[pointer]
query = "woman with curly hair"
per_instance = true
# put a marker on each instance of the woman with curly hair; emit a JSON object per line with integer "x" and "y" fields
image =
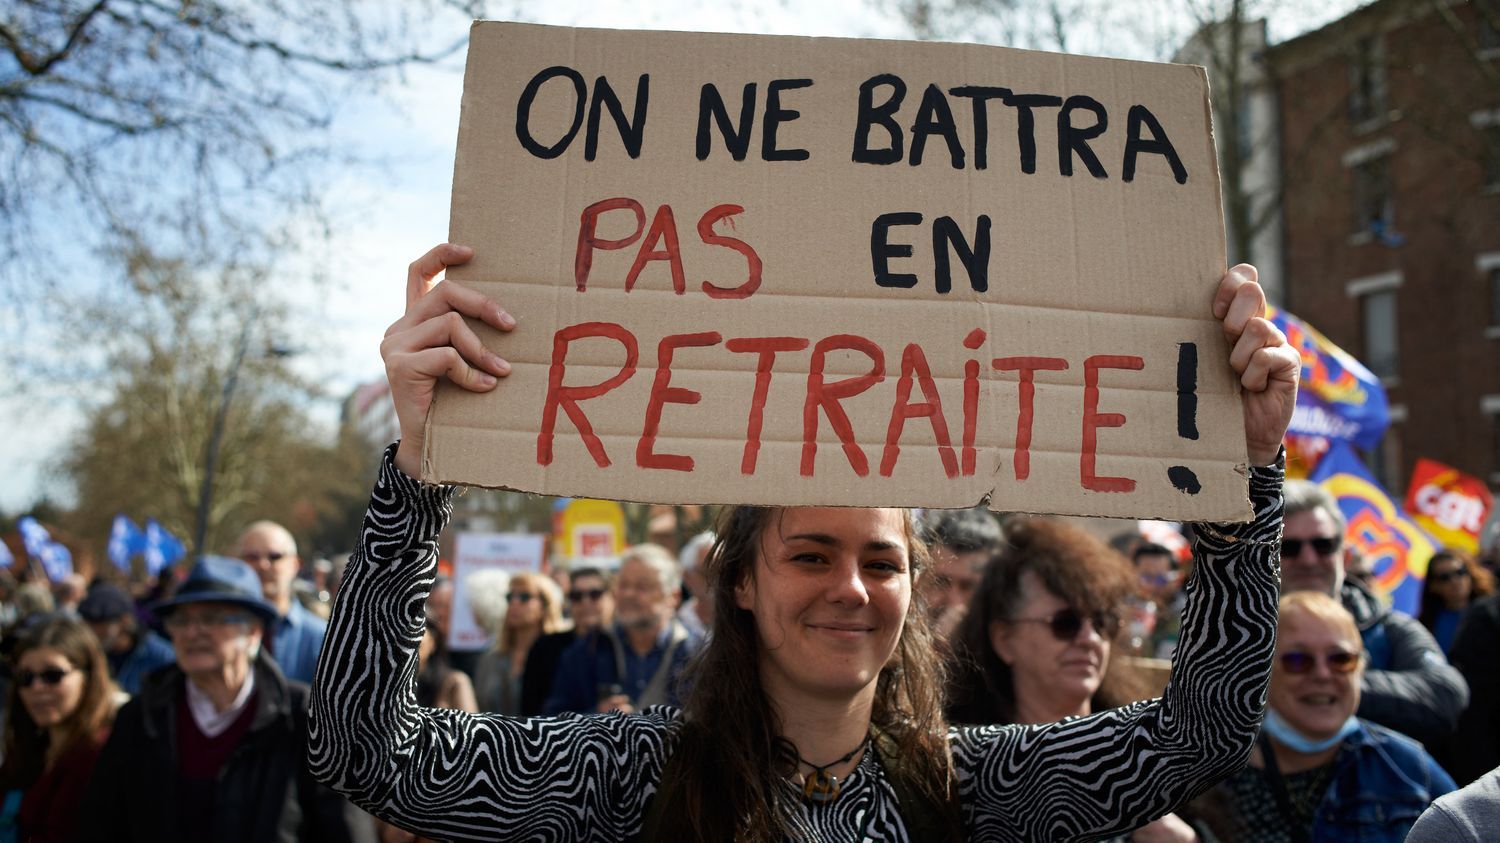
{"x": 59, "y": 711}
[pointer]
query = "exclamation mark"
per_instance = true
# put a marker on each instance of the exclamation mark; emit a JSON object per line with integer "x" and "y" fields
{"x": 1181, "y": 476}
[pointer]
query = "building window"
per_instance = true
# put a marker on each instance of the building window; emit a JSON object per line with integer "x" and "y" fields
{"x": 1490, "y": 137}
{"x": 1373, "y": 209}
{"x": 1494, "y": 296}
{"x": 1378, "y": 318}
{"x": 1385, "y": 461}
{"x": 1488, "y": 12}
{"x": 1367, "y": 94}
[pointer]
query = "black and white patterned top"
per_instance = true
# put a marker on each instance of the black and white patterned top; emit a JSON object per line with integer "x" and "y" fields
{"x": 450, "y": 774}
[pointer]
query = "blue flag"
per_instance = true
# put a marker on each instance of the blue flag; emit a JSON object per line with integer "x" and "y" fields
{"x": 57, "y": 561}
{"x": 1398, "y": 550}
{"x": 6, "y": 560}
{"x": 1338, "y": 398}
{"x": 34, "y": 536}
{"x": 125, "y": 541}
{"x": 162, "y": 550}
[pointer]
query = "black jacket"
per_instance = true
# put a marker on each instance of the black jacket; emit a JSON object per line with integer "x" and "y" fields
{"x": 264, "y": 792}
{"x": 1409, "y": 685}
{"x": 1475, "y": 747}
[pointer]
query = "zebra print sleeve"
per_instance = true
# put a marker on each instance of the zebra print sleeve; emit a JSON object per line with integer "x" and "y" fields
{"x": 1093, "y": 777}
{"x": 445, "y": 773}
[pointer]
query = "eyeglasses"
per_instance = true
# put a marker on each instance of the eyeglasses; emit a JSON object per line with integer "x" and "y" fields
{"x": 50, "y": 677}
{"x": 1067, "y": 623}
{"x": 179, "y": 621}
{"x": 1449, "y": 576}
{"x": 578, "y": 595}
{"x": 1292, "y": 548}
{"x": 522, "y": 597}
{"x": 252, "y": 558}
{"x": 1339, "y": 661}
{"x": 1158, "y": 579}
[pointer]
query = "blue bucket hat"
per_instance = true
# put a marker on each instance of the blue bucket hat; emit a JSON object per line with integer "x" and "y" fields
{"x": 219, "y": 579}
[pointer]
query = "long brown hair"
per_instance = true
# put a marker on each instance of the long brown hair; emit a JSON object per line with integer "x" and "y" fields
{"x": 1481, "y": 584}
{"x": 725, "y": 780}
{"x": 1070, "y": 563}
{"x": 26, "y": 744}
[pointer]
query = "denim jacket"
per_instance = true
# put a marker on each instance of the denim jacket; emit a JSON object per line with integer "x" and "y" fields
{"x": 1383, "y": 782}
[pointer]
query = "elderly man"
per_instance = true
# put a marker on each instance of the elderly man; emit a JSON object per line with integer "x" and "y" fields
{"x": 1409, "y": 686}
{"x": 961, "y": 542}
{"x": 296, "y": 636}
{"x": 212, "y": 748}
{"x": 132, "y": 652}
{"x": 634, "y": 662}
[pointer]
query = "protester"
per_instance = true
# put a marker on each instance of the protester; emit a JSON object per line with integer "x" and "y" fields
{"x": 697, "y": 612}
{"x": 1161, "y": 587}
{"x": 1318, "y": 771}
{"x": 438, "y": 684}
{"x": 592, "y": 607}
{"x": 633, "y": 663}
{"x": 1454, "y": 580}
{"x": 533, "y": 608}
{"x": 1035, "y": 645}
{"x": 1407, "y": 683}
{"x": 1468, "y": 815}
{"x": 60, "y": 705}
{"x": 68, "y": 592}
{"x": 960, "y": 542}
{"x": 1474, "y": 748}
{"x": 814, "y": 655}
{"x": 296, "y": 635}
{"x": 132, "y": 651}
{"x": 212, "y": 748}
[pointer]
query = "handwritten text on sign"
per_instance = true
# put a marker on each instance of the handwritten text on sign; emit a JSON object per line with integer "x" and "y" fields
{"x": 786, "y": 270}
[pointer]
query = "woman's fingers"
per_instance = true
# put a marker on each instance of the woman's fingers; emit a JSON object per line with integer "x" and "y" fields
{"x": 450, "y": 330}
{"x": 1256, "y": 334}
{"x": 1239, "y": 300}
{"x": 422, "y": 271}
{"x": 447, "y": 298}
{"x": 429, "y": 364}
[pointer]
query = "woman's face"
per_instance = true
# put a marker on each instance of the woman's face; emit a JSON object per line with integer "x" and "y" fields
{"x": 49, "y": 704}
{"x": 830, "y": 592}
{"x": 1066, "y": 670}
{"x": 1306, "y": 689}
{"x": 523, "y": 604}
{"x": 1449, "y": 578}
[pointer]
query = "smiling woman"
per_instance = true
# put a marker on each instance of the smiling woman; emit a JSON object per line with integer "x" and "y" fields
{"x": 815, "y": 709}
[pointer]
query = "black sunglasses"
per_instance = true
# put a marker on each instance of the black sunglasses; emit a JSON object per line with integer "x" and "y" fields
{"x": 1293, "y": 547}
{"x": 1067, "y": 623}
{"x": 519, "y": 597}
{"x": 50, "y": 677}
{"x": 578, "y": 594}
{"x": 1339, "y": 661}
{"x": 1449, "y": 576}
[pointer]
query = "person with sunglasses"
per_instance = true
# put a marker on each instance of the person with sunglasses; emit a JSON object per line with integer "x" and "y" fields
{"x": 59, "y": 709}
{"x": 1318, "y": 772}
{"x": 591, "y": 606}
{"x": 815, "y": 711}
{"x": 1454, "y": 580}
{"x": 533, "y": 608}
{"x": 1038, "y": 642}
{"x": 296, "y": 636}
{"x": 1407, "y": 683}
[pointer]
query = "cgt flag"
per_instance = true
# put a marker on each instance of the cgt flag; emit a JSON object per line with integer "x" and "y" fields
{"x": 1449, "y": 504}
{"x": 125, "y": 541}
{"x": 1398, "y": 550}
{"x": 1338, "y": 398}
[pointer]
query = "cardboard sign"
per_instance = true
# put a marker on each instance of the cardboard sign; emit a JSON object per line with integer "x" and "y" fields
{"x": 1449, "y": 504}
{"x": 777, "y": 270}
{"x": 474, "y": 552}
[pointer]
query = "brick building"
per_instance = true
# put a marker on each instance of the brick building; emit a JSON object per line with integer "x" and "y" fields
{"x": 1390, "y": 148}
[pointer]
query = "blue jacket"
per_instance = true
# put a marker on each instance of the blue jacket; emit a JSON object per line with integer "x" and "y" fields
{"x": 150, "y": 652}
{"x": 296, "y": 641}
{"x": 1383, "y": 781}
{"x": 588, "y": 667}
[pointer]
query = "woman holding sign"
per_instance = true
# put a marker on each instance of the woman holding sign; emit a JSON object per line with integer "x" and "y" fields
{"x": 815, "y": 711}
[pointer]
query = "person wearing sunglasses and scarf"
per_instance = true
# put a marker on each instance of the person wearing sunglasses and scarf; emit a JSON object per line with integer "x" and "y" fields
{"x": 533, "y": 608}
{"x": 58, "y": 716}
{"x": 1036, "y": 644}
{"x": 1318, "y": 772}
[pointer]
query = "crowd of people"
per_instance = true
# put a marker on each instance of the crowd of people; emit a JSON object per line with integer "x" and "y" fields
{"x": 815, "y": 674}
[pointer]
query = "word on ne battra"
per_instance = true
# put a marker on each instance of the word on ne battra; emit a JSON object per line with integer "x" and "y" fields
{"x": 790, "y": 270}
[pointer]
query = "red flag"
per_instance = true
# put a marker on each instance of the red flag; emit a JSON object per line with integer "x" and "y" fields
{"x": 1449, "y": 504}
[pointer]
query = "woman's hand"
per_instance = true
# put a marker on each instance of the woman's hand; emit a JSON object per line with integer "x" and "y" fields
{"x": 1168, "y": 829}
{"x": 432, "y": 341}
{"x": 1267, "y": 366}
